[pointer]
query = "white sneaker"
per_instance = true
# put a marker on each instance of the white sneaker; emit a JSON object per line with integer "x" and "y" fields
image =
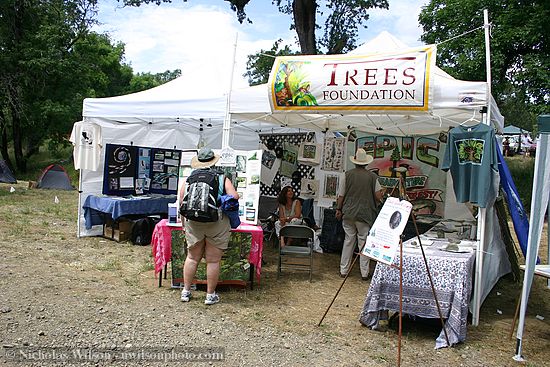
{"x": 211, "y": 299}
{"x": 185, "y": 295}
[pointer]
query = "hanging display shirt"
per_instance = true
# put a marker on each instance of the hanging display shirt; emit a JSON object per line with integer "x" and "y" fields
{"x": 86, "y": 138}
{"x": 471, "y": 157}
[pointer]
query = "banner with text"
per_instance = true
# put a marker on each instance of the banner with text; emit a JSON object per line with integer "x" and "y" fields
{"x": 422, "y": 157}
{"x": 398, "y": 81}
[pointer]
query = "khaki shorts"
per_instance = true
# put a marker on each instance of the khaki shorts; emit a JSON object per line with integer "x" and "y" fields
{"x": 215, "y": 233}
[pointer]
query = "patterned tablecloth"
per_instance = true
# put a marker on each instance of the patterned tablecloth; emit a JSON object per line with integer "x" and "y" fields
{"x": 452, "y": 277}
{"x": 161, "y": 243}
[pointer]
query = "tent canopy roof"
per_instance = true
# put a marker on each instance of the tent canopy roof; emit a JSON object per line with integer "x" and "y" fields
{"x": 513, "y": 130}
{"x": 175, "y": 100}
{"x": 250, "y": 106}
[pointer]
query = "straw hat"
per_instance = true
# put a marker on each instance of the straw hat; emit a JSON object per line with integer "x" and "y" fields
{"x": 361, "y": 158}
{"x": 204, "y": 159}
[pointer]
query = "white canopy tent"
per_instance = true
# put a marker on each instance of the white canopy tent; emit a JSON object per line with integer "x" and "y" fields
{"x": 175, "y": 115}
{"x": 250, "y": 107}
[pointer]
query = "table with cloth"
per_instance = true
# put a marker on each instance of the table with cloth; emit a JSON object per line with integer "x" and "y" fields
{"x": 452, "y": 274}
{"x": 246, "y": 241}
{"x": 99, "y": 209}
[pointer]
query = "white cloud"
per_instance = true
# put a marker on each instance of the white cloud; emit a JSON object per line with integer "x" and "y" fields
{"x": 198, "y": 39}
{"x": 401, "y": 20}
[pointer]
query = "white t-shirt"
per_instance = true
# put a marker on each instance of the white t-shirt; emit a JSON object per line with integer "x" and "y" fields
{"x": 87, "y": 141}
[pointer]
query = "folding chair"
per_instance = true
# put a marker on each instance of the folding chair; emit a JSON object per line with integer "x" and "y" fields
{"x": 295, "y": 256}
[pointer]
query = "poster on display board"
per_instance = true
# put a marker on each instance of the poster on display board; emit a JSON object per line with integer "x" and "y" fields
{"x": 384, "y": 236}
{"x": 422, "y": 156}
{"x": 245, "y": 176}
{"x": 135, "y": 170}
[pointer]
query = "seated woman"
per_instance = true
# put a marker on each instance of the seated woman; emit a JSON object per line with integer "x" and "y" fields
{"x": 290, "y": 209}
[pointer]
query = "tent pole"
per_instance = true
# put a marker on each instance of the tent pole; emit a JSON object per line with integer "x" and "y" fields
{"x": 79, "y": 209}
{"x": 482, "y": 214}
{"x": 227, "y": 120}
{"x": 539, "y": 203}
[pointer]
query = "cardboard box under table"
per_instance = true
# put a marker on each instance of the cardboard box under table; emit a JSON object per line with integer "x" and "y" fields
{"x": 241, "y": 260}
{"x": 119, "y": 230}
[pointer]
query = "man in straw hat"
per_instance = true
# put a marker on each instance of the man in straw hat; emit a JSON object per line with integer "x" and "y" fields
{"x": 358, "y": 196}
{"x": 206, "y": 238}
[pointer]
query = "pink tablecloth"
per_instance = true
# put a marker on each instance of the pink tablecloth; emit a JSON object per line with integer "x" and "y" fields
{"x": 162, "y": 244}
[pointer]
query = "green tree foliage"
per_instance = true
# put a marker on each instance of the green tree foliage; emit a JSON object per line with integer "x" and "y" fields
{"x": 339, "y": 36}
{"x": 143, "y": 81}
{"x": 259, "y": 65}
{"x": 341, "y": 27}
{"x": 49, "y": 62}
{"x": 520, "y": 50}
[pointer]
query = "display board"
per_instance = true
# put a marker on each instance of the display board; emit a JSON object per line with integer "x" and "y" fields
{"x": 384, "y": 236}
{"x": 134, "y": 170}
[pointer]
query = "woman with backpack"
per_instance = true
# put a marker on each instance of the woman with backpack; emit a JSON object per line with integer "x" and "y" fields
{"x": 207, "y": 231}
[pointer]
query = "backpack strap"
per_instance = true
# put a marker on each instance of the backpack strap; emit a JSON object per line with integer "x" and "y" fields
{"x": 221, "y": 186}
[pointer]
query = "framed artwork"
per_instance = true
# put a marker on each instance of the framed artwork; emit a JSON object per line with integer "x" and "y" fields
{"x": 333, "y": 154}
{"x": 289, "y": 162}
{"x": 331, "y": 187}
{"x": 309, "y": 188}
{"x": 309, "y": 153}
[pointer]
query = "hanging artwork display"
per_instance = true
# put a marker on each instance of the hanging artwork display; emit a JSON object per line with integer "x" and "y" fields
{"x": 309, "y": 153}
{"x": 270, "y": 167}
{"x": 330, "y": 190}
{"x": 334, "y": 154}
{"x": 289, "y": 162}
{"x": 310, "y": 189}
{"x": 134, "y": 170}
{"x": 274, "y": 144}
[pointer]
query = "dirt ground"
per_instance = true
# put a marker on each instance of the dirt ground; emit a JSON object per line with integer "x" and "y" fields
{"x": 60, "y": 291}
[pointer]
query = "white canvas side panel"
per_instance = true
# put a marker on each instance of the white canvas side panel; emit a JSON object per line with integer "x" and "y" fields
{"x": 495, "y": 260}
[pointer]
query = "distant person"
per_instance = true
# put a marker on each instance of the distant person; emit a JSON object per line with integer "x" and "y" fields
{"x": 206, "y": 238}
{"x": 506, "y": 147}
{"x": 526, "y": 144}
{"x": 359, "y": 194}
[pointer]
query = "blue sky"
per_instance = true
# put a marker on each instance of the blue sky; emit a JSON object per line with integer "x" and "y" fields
{"x": 198, "y": 36}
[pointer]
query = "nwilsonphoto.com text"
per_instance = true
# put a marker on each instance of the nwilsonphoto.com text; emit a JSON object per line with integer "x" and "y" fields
{"x": 152, "y": 354}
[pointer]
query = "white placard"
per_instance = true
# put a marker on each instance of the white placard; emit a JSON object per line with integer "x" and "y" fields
{"x": 228, "y": 157}
{"x": 126, "y": 183}
{"x": 186, "y": 157}
{"x": 383, "y": 239}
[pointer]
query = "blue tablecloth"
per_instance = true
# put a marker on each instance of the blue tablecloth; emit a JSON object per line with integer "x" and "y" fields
{"x": 96, "y": 208}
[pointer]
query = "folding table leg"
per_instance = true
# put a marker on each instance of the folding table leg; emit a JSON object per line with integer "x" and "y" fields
{"x": 251, "y": 269}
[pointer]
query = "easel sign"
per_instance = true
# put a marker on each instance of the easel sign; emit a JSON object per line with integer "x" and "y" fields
{"x": 384, "y": 236}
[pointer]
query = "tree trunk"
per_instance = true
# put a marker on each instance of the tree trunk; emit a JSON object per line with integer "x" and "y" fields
{"x": 20, "y": 160}
{"x": 4, "y": 139}
{"x": 304, "y": 12}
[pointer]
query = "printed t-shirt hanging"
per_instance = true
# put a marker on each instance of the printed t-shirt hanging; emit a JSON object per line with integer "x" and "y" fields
{"x": 471, "y": 157}
{"x": 86, "y": 138}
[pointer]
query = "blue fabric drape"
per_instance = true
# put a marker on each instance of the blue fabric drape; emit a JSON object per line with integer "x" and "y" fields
{"x": 515, "y": 206}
